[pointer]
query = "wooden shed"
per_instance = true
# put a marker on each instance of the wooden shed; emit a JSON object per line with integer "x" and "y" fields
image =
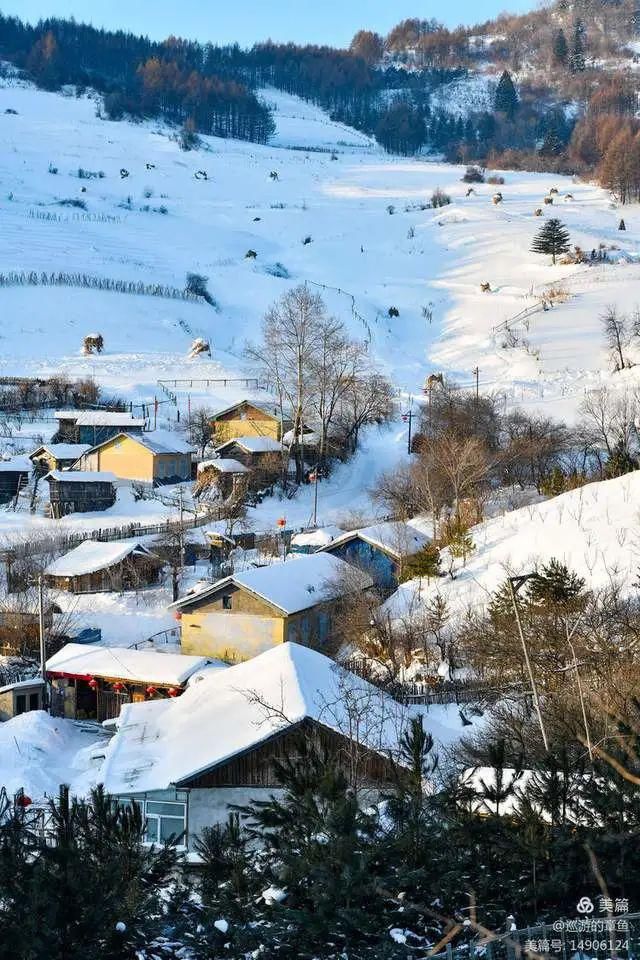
{"x": 95, "y": 567}
{"x": 14, "y": 475}
{"x": 262, "y": 456}
{"x": 80, "y": 491}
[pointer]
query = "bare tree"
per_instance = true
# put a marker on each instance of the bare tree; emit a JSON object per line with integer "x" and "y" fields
{"x": 199, "y": 428}
{"x": 616, "y": 336}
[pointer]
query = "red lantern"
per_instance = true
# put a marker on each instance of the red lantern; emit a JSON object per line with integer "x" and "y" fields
{"x": 173, "y": 691}
{"x": 22, "y": 800}
{"x": 151, "y": 690}
{"x": 177, "y": 615}
{"x": 118, "y": 687}
{"x": 282, "y": 522}
{"x": 93, "y": 683}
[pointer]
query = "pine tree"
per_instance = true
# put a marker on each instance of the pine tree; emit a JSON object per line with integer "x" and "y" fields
{"x": 576, "y": 61}
{"x": 552, "y": 238}
{"x": 506, "y": 99}
{"x": 560, "y": 48}
{"x": 321, "y": 848}
{"x": 554, "y": 584}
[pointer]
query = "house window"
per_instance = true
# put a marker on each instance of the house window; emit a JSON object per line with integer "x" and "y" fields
{"x": 226, "y": 601}
{"x": 34, "y": 701}
{"x": 164, "y": 819}
{"x": 21, "y": 703}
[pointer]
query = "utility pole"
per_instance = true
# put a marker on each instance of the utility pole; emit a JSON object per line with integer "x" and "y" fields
{"x": 314, "y": 476}
{"x": 408, "y": 417}
{"x": 43, "y": 648}
{"x": 476, "y": 373}
{"x": 181, "y": 530}
{"x": 536, "y": 699}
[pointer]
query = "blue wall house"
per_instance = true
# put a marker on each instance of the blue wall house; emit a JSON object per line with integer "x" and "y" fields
{"x": 380, "y": 549}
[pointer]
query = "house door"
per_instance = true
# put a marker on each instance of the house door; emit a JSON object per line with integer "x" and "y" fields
{"x": 109, "y": 703}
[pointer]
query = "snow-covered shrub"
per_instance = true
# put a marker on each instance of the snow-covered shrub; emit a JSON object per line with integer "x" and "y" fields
{"x": 439, "y": 198}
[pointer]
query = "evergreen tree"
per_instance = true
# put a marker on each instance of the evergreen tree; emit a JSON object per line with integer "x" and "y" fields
{"x": 552, "y": 238}
{"x": 577, "y": 61}
{"x": 555, "y": 585}
{"x": 506, "y": 99}
{"x": 620, "y": 462}
{"x": 320, "y": 847}
{"x": 560, "y": 49}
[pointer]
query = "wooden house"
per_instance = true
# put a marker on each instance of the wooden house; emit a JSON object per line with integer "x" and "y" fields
{"x": 229, "y": 476}
{"x": 158, "y": 457}
{"x": 57, "y": 456}
{"x": 80, "y": 491}
{"x": 248, "y": 419}
{"x": 94, "y": 426}
{"x": 248, "y": 612}
{"x": 95, "y": 567}
{"x": 380, "y": 549}
{"x": 262, "y": 456}
{"x": 14, "y": 475}
{"x": 185, "y": 763}
{"x": 93, "y": 682}
{"x": 20, "y": 697}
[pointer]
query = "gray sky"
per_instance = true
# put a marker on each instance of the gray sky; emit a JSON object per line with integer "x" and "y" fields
{"x": 246, "y": 21}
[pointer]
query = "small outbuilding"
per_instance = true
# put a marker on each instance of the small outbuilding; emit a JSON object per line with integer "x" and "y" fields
{"x": 229, "y": 476}
{"x": 14, "y": 475}
{"x": 93, "y": 682}
{"x": 22, "y": 696}
{"x": 262, "y": 456}
{"x": 80, "y": 491}
{"x": 158, "y": 457}
{"x": 96, "y": 567}
{"x": 57, "y": 456}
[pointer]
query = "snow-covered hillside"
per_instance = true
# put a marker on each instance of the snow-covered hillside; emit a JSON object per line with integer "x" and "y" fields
{"x": 373, "y": 245}
{"x": 594, "y": 531}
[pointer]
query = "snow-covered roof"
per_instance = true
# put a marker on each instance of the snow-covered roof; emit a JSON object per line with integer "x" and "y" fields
{"x": 227, "y": 712}
{"x": 62, "y": 451}
{"x": 254, "y": 444}
{"x": 93, "y": 555}
{"x": 100, "y": 418}
{"x": 22, "y": 684}
{"x": 138, "y": 666}
{"x": 395, "y": 537}
{"x": 321, "y": 537}
{"x": 298, "y": 584}
{"x": 21, "y": 464}
{"x": 223, "y": 465}
{"x": 82, "y": 476}
{"x": 309, "y": 437}
{"x": 158, "y": 441}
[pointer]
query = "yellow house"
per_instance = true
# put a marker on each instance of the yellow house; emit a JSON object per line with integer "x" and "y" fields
{"x": 247, "y": 613}
{"x": 248, "y": 419}
{"x": 157, "y": 457}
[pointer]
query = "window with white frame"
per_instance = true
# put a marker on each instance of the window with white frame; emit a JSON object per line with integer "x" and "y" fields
{"x": 165, "y": 819}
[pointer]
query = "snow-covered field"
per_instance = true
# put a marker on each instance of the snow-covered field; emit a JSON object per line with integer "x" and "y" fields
{"x": 368, "y": 258}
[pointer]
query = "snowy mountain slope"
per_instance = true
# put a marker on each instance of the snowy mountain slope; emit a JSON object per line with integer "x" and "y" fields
{"x": 372, "y": 246}
{"x": 594, "y": 530}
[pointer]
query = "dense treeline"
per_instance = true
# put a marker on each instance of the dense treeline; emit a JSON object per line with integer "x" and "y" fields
{"x": 174, "y": 79}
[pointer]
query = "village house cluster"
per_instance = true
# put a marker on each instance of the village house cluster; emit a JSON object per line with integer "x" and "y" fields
{"x": 198, "y": 720}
